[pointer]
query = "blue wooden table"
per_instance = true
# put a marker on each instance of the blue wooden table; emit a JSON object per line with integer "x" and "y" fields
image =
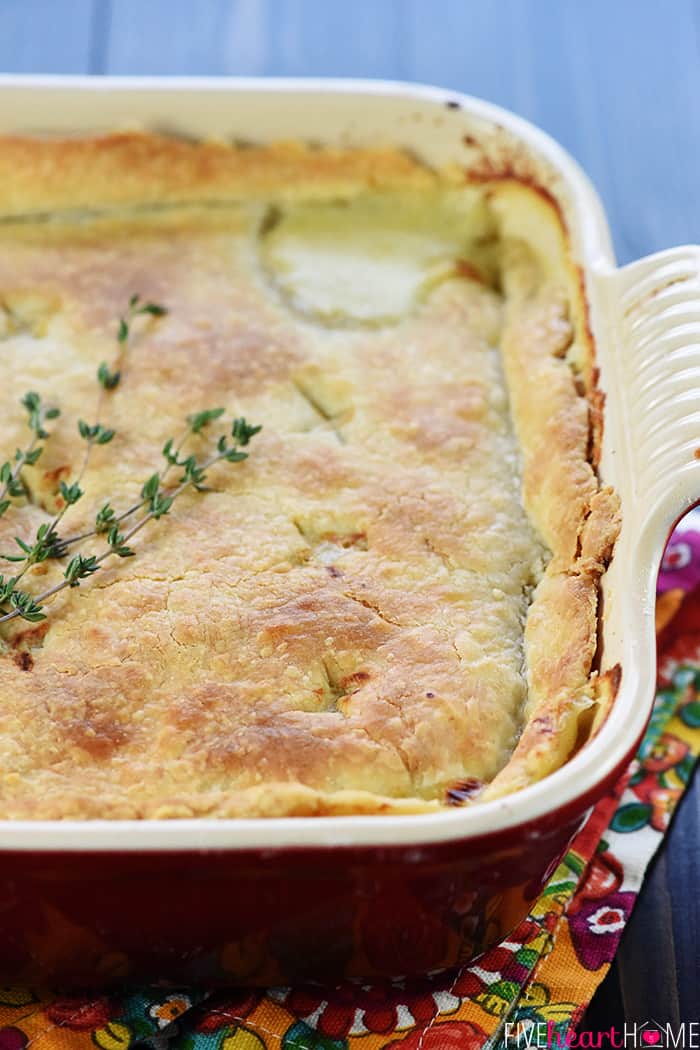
{"x": 616, "y": 81}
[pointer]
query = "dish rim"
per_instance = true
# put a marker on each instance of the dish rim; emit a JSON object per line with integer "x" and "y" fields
{"x": 580, "y": 777}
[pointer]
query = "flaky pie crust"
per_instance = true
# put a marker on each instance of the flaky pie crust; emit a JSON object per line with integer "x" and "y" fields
{"x": 392, "y": 605}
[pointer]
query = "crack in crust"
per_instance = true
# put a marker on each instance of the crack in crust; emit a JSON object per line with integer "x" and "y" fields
{"x": 320, "y": 411}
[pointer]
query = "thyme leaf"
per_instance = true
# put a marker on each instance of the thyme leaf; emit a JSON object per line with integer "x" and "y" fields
{"x": 78, "y": 568}
{"x": 10, "y": 471}
{"x": 107, "y": 379}
{"x": 137, "y": 308}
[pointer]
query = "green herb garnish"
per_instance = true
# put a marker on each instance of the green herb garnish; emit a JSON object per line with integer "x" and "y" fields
{"x": 156, "y": 497}
{"x": 10, "y": 471}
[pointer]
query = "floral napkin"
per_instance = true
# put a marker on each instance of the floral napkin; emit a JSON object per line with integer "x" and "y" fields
{"x": 544, "y": 974}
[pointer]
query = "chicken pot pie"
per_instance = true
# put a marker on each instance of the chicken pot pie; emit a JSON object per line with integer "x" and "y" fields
{"x": 391, "y": 605}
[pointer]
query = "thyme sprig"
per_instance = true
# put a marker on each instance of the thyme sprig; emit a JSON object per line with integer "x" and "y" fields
{"x": 156, "y": 498}
{"x": 107, "y": 518}
{"x": 10, "y": 471}
{"x": 156, "y": 502}
{"x": 47, "y": 543}
{"x": 108, "y": 377}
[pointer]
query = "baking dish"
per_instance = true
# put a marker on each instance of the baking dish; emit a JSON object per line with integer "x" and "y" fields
{"x": 233, "y": 901}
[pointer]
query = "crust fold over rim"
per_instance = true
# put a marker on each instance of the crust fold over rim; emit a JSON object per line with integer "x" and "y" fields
{"x": 578, "y": 520}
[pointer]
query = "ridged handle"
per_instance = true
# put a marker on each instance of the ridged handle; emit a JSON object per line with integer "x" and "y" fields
{"x": 653, "y": 312}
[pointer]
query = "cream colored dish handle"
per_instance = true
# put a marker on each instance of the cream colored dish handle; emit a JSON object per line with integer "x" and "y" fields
{"x": 653, "y": 309}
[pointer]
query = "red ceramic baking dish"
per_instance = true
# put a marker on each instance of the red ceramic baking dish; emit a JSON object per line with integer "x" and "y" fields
{"x": 273, "y": 901}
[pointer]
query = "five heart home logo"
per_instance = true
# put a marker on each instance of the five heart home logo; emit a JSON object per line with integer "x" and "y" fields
{"x": 651, "y": 1034}
{"x": 632, "y": 1036}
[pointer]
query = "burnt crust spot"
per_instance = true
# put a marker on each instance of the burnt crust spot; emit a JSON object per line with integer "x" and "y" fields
{"x": 23, "y": 659}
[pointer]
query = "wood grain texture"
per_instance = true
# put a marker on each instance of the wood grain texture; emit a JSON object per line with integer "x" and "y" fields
{"x": 617, "y": 83}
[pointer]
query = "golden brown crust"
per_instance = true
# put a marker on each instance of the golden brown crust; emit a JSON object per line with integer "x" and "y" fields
{"x": 578, "y": 520}
{"x": 338, "y": 628}
{"x": 133, "y": 168}
{"x": 550, "y": 417}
